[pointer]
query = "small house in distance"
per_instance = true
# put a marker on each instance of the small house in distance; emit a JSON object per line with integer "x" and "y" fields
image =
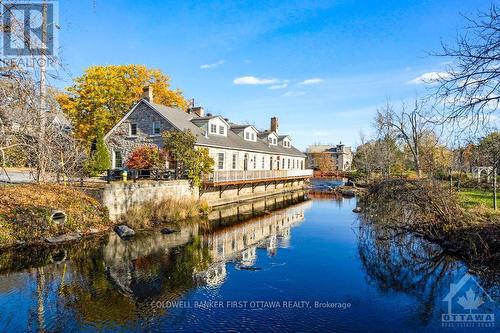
{"x": 335, "y": 157}
{"x": 233, "y": 147}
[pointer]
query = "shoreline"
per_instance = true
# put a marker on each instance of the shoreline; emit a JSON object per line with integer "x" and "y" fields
{"x": 105, "y": 225}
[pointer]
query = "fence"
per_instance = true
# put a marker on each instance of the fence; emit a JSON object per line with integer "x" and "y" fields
{"x": 243, "y": 175}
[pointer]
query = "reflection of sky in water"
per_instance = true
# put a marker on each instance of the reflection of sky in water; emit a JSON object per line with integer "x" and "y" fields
{"x": 307, "y": 252}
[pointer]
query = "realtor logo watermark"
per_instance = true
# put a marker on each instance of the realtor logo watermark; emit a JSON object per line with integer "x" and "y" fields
{"x": 468, "y": 305}
{"x": 29, "y": 32}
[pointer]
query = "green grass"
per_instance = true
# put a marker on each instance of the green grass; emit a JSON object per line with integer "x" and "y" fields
{"x": 470, "y": 198}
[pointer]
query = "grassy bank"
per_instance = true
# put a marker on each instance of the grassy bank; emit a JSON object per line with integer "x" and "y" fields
{"x": 474, "y": 198}
{"x": 25, "y": 212}
{"x": 168, "y": 211}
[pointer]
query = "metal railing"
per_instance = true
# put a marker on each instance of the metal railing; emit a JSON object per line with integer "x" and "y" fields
{"x": 219, "y": 176}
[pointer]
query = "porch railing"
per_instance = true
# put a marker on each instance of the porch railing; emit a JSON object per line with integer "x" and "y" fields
{"x": 219, "y": 176}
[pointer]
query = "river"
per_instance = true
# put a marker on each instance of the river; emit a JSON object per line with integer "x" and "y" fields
{"x": 288, "y": 263}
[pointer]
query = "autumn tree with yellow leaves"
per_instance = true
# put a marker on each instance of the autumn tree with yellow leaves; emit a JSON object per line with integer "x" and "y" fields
{"x": 104, "y": 94}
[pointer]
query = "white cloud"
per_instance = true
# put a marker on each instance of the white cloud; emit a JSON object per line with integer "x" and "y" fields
{"x": 311, "y": 81}
{"x": 430, "y": 77}
{"x": 293, "y": 94}
{"x": 278, "y": 86}
{"x": 214, "y": 65}
{"x": 252, "y": 80}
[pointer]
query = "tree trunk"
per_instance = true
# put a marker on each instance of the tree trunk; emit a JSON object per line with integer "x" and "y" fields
{"x": 495, "y": 188}
{"x": 451, "y": 180}
{"x": 417, "y": 167}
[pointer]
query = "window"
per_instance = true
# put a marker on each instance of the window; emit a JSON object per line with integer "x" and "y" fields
{"x": 133, "y": 129}
{"x": 235, "y": 160}
{"x": 213, "y": 128}
{"x": 283, "y": 163}
{"x": 220, "y": 161}
{"x": 221, "y": 130}
{"x": 301, "y": 165}
{"x": 156, "y": 127}
{"x": 293, "y": 165}
{"x": 274, "y": 141}
{"x": 118, "y": 159}
{"x": 247, "y": 136}
{"x": 255, "y": 161}
{"x": 253, "y": 136}
{"x": 288, "y": 164}
{"x": 263, "y": 162}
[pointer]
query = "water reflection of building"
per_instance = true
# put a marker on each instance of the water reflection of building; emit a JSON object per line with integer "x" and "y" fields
{"x": 213, "y": 276}
{"x": 238, "y": 243}
{"x": 144, "y": 266}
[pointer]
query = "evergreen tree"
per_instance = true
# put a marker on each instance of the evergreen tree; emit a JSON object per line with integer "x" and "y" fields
{"x": 99, "y": 160}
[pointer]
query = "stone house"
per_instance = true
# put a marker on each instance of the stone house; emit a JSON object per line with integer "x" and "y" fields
{"x": 232, "y": 146}
{"x": 340, "y": 155}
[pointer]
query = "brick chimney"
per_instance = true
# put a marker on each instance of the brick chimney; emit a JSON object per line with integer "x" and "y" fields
{"x": 197, "y": 110}
{"x": 274, "y": 124}
{"x": 147, "y": 93}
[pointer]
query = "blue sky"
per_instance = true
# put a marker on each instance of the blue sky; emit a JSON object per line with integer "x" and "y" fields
{"x": 322, "y": 67}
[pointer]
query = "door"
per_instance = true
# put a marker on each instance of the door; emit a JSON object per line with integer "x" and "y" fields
{"x": 245, "y": 162}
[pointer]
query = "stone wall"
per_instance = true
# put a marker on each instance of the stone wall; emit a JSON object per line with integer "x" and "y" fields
{"x": 119, "y": 197}
{"x": 143, "y": 116}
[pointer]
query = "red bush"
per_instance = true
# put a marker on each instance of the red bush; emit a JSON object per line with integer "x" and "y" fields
{"x": 146, "y": 157}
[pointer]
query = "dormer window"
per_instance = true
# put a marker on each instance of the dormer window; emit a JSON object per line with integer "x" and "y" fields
{"x": 272, "y": 140}
{"x": 247, "y": 136}
{"x": 222, "y": 130}
{"x": 213, "y": 128}
{"x": 133, "y": 129}
{"x": 253, "y": 137}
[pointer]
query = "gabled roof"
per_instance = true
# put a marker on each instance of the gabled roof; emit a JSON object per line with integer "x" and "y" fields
{"x": 265, "y": 134}
{"x": 281, "y": 137}
{"x": 184, "y": 121}
{"x": 239, "y": 128}
{"x": 204, "y": 119}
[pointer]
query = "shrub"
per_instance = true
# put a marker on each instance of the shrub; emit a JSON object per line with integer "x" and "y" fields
{"x": 169, "y": 210}
{"x": 146, "y": 157}
{"x": 99, "y": 160}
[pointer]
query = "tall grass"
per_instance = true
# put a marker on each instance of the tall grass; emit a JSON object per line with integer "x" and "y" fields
{"x": 170, "y": 210}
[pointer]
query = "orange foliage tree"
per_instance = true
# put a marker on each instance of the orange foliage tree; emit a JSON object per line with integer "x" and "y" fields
{"x": 104, "y": 94}
{"x": 146, "y": 157}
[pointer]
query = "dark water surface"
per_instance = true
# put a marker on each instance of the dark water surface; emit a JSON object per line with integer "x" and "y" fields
{"x": 308, "y": 266}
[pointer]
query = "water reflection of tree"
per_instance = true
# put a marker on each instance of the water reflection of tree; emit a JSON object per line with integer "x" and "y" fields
{"x": 159, "y": 276}
{"x": 405, "y": 263}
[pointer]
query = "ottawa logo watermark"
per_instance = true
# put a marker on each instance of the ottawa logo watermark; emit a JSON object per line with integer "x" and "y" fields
{"x": 29, "y": 32}
{"x": 468, "y": 305}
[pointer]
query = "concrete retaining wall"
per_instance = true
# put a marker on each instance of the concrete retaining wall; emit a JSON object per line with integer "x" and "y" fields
{"x": 231, "y": 195}
{"x": 120, "y": 197}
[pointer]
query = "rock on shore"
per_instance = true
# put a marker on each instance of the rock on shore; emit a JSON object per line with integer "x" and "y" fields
{"x": 124, "y": 232}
